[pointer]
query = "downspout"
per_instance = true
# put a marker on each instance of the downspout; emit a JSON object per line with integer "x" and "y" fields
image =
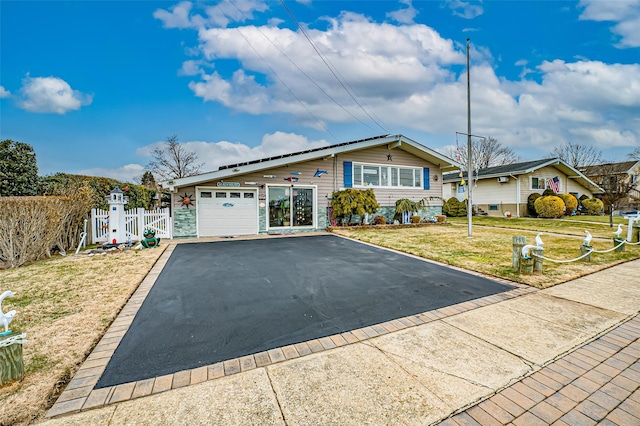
{"x": 517, "y": 195}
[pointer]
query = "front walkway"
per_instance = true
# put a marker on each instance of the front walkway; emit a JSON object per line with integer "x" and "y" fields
{"x": 596, "y": 384}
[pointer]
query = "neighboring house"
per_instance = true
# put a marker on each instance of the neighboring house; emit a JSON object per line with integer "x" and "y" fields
{"x": 625, "y": 174}
{"x": 292, "y": 192}
{"x": 504, "y": 190}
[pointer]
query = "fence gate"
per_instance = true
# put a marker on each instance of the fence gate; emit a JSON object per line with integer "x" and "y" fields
{"x": 137, "y": 220}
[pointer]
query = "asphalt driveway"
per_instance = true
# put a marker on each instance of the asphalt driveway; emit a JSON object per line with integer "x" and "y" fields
{"x": 222, "y": 300}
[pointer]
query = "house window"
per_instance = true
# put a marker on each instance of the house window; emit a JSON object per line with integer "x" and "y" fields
{"x": 493, "y": 207}
{"x": 537, "y": 183}
{"x": 634, "y": 179}
{"x": 248, "y": 195}
{"x": 205, "y": 194}
{"x": 234, "y": 195}
{"x": 221, "y": 195}
{"x": 385, "y": 176}
{"x": 460, "y": 188}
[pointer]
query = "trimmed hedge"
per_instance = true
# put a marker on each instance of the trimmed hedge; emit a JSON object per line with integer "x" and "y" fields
{"x": 592, "y": 206}
{"x": 454, "y": 208}
{"x": 530, "y": 203}
{"x": 570, "y": 202}
{"x": 549, "y": 207}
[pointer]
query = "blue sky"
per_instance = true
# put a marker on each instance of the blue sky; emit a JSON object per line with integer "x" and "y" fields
{"x": 94, "y": 86}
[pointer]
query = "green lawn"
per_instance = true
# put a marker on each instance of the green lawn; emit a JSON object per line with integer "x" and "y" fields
{"x": 598, "y": 226}
{"x": 490, "y": 249}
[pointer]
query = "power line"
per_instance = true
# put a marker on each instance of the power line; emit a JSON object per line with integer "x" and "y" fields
{"x": 280, "y": 79}
{"x": 332, "y": 69}
{"x": 306, "y": 75}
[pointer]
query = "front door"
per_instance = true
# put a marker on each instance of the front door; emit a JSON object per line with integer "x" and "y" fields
{"x": 291, "y": 206}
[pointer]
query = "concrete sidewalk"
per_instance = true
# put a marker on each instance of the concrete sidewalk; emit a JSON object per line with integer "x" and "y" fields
{"x": 416, "y": 370}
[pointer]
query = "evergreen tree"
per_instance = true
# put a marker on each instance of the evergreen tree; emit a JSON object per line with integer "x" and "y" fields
{"x": 18, "y": 169}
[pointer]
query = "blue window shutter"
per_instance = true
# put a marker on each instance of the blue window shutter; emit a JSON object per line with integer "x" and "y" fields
{"x": 348, "y": 174}
{"x": 425, "y": 178}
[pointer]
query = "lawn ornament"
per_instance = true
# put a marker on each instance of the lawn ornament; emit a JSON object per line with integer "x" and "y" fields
{"x": 539, "y": 242}
{"x": 526, "y": 250}
{"x": 6, "y": 318}
{"x": 587, "y": 239}
{"x": 319, "y": 173}
{"x": 150, "y": 239}
{"x": 295, "y": 173}
{"x": 618, "y": 232}
{"x": 291, "y": 179}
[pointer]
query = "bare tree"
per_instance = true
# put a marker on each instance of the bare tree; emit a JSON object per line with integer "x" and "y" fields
{"x": 486, "y": 153}
{"x": 617, "y": 186}
{"x": 576, "y": 155}
{"x": 173, "y": 161}
{"x": 635, "y": 155}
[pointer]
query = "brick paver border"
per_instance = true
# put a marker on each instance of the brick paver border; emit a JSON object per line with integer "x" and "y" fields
{"x": 598, "y": 383}
{"x": 80, "y": 395}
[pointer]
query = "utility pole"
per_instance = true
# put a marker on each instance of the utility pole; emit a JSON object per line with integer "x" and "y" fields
{"x": 469, "y": 150}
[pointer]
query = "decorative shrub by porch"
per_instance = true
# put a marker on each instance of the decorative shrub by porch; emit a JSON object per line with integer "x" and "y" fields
{"x": 454, "y": 208}
{"x": 549, "y": 207}
{"x": 405, "y": 205}
{"x": 592, "y": 206}
{"x": 349, "y": 202}
{"x": 570, "y": 202}
{"x": 379, "y": 220}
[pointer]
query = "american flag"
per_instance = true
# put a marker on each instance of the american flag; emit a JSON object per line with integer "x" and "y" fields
{"x": 554, "y": 184}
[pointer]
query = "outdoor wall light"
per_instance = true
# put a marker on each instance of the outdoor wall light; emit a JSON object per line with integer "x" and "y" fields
{"x": 435, "y": 178}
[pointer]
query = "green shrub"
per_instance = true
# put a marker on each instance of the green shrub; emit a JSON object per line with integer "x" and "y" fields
{"x": 548, "y": 193}
{"x": 454, "y": 208}
{"x": 530, "y": 203}
{"x": 406, "y": 205}
{"x": 570, "y": 202}
{"x": 592, "y": 206}
{"x": 349, "y": 202}
{"x": 549, "y": 207}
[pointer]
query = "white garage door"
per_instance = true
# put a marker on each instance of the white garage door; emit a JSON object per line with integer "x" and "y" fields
{"x": 227, "y": 212}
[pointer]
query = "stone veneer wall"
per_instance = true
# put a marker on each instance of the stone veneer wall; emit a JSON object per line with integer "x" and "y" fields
{"x": 184, "y": 223}
{"x": 389, "y": 213}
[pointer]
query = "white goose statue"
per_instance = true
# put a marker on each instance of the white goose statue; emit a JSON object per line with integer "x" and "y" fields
{"x": 587, "y": 239}
{"x": 6, "y": 318}
{"x": 618, "y": 231}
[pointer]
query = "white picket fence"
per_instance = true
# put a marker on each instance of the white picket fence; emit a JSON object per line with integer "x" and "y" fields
{"x": 137, "y": 220}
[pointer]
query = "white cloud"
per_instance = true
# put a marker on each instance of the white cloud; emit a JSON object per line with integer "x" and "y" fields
{"x": 465, "y": 9}
{"x": 50, "y": 94}
{"x": 127, "y": 173}
{"x": 411, "y": 78}
{"x": 216, "y": 154}
{"x": 226, "y": 11}
{"x": 190, "y": 67}
{"x": 178, "y": 16}
{"x": 405, "y": 15}
{"x": 4, "y": 93}
{"x": 626, "y": 14}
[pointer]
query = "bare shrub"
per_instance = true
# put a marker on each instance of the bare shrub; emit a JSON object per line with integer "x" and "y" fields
{"x": 31, "y": 227}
